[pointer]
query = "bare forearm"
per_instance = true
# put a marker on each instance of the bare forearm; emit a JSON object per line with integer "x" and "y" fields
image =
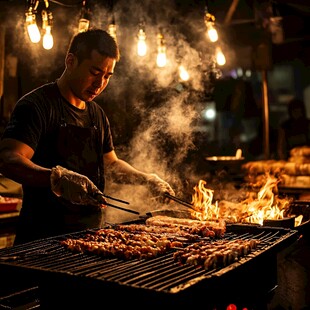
{"x": 24, "y": 171}
{"x": 125, "y": 173}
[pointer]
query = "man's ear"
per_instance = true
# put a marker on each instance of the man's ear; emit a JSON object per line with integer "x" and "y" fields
{"x": 70, "y": 60}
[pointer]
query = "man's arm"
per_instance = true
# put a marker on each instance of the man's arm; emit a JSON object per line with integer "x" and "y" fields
{"x": 16, "y": 164}
{"x": 123, "y": 172}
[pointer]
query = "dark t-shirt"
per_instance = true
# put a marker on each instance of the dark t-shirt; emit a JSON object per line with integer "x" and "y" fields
{"x": 35, "y": 121}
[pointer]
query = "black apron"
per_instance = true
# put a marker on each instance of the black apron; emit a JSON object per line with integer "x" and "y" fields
{"x": 43, "y": 213}
{"x": 79, "y": 149}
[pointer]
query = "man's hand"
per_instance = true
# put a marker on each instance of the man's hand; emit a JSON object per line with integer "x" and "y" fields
{"x": 159, "y": 187}
{"x": 75, "y": 187}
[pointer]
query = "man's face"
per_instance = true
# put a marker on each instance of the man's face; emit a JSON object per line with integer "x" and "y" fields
{"x": 90, "y": 77}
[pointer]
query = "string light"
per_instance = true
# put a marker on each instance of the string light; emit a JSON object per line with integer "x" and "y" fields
{"x": 161, "y": 51}
{"x": 47, "y": 21}
{"x": 211, "y": 30}
{"x": 141, "y": 46}
{"x": 112, "y": 29}
{"x": 84, "y": 23}
{"x": 84, "y": 20}
{"x": 32, "y": 27}
{"x": 183, "y": 73}
{"x": 220, "y": 57}
{"x": 48, "y": 40}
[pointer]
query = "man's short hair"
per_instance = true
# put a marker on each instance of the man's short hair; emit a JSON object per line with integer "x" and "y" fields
{"x": 83, "y": 43}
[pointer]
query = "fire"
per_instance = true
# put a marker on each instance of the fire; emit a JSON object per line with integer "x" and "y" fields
{"x": 265, "y": 205}
{"x": 202, "y": 202}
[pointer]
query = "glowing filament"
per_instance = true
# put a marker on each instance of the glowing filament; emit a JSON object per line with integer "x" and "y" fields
{"x": 184, "y": 76}
{"x": 112, "y": 30}
{"x": 48, "y": 40}
{"x": 220, "y": 57}
{"x": 141, "y": 47}
{"x": 83, "y": 24}
{"x": 161, "y": 52}
{"x": 32, "y": 28}
{"x": 212, "y": 33}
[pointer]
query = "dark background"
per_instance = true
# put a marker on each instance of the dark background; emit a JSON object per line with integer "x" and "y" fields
{"x": 157, "y": 121}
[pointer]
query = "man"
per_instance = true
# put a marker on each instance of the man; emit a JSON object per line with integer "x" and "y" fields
{"x": 294, "y": 131}
{"x": 58, "y": 145}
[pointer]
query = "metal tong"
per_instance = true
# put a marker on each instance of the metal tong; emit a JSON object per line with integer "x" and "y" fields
{"x": 100, "y": 198}
{"x": 180, "y": 201}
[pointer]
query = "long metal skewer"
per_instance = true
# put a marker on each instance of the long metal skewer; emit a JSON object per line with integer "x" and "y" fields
{"x": 116, "y": 199}
{"x": 180, "y": 201}
{"x": 124, "y": 209}
{"x": 101, "y": 198}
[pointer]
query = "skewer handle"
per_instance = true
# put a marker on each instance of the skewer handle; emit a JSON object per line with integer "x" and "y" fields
{"x": 182, "y": 202}
{"x": 124, "y": 209}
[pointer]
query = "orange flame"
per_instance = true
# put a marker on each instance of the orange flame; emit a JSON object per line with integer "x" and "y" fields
{"x": 202, "y": 202}
{"x": 255, "y": 209}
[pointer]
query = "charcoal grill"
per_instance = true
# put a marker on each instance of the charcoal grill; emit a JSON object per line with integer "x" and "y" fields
{"x": 84, "y": 281}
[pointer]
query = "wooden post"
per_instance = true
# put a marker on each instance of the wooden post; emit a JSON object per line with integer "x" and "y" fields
{"x": 2, "y": 56}
{"x": 2, "y": 51}
{"x": 265, "y": 103}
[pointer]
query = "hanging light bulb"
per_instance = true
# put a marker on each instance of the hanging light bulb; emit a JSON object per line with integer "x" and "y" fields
{"x": 48, "y": 40}
{"x": 212, "y": 34}
{"x": 161, "y": 51}
{"x": 211, "y": 31}
{"x": 32, "y": 27}
{"x": 83, "y": 24}
{"x": 47, "y": 19}
{"x": 183, "y": 73}
{"x": 84, "y": 20}
{"x": 112, "y": 29}
{"x": 141, "y": 46}
{"x": 220, "y": 57}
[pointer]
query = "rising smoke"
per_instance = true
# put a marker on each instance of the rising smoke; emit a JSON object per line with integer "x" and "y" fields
{"x": 153, "y": 115}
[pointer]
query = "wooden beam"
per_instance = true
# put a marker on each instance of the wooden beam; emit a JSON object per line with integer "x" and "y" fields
{"x": 231, "y": 12}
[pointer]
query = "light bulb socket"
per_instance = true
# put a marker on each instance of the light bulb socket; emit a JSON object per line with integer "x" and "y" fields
{"x": 30, "y": 17}
{"x": 47, "y": 19}
{"x": 85, "y": 13}
{"x": 209, "y": 18}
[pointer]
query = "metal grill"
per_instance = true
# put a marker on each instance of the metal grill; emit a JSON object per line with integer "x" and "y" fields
{"x": 63, "y": 273}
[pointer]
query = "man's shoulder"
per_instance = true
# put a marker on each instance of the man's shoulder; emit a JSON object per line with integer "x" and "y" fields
{"x": 43, "y": 92}
{"x": 42, "y": 98}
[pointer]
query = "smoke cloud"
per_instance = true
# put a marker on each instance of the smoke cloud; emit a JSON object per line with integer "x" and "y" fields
{"x": 154, "y": 116}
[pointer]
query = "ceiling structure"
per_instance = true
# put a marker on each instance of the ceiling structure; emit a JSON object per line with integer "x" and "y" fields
{"x": 242, "y": 23}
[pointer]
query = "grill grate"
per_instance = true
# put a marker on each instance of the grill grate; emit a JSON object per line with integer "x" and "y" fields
{"x": 80, "y": 281}
{"x": 161, "y": 273}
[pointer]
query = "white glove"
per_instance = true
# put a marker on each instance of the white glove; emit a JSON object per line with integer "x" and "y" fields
{"x": 75, "y": 187}
{"x": 159, "y": 187}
